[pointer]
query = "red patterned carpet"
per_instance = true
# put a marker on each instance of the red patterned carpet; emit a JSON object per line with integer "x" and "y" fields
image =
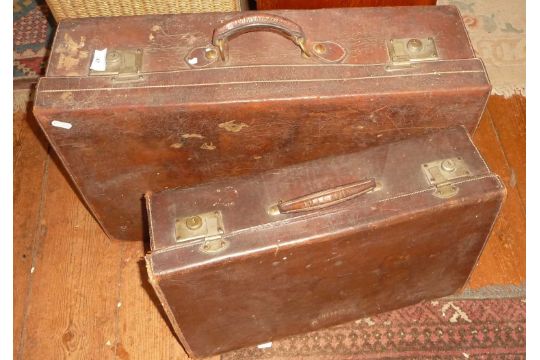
{"x": 458, "y": 329}
{"x": 33, "y": 28}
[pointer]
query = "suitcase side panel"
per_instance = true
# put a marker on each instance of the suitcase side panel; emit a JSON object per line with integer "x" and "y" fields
{"x": 115, "y": 155}
{"x": 165, "y": 304}
{"x": 392, "y": 260}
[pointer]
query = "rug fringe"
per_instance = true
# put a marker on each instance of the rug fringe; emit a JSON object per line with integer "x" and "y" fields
{"x": 21, "y": 98}
{"x": 508, "y": 91}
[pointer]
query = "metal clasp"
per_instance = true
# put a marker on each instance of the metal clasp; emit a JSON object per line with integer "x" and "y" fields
{"x": 440, "y": 173}
{"x": 206, "y": 226}
{"x": 123, "y": 64}
{"x": 404, "y": 52}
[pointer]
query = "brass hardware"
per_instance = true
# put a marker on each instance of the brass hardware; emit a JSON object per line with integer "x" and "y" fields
{"x": 221, "y": 46}
{"x": 123, "y": 64}
{"x": 194, "y": 222}
{"x": 213, "y": 246}
{"x": 414, "y": 45}
{"x": 210, "y": 54}
{"x": 207, "y": 227}
{"x": 319, "y": 48}
{"x": 446, "y": 191}
{"x": 448, "y": 165}
{"x": 328, "y": 51}
{"x": 273, "y": 210}
{"x": 440, "y": 173}
{"x": 404, "y": 52}
{"x": 199, "y": 226}
{"x": 202, "y": 56}
{"x": 301, "y": 42}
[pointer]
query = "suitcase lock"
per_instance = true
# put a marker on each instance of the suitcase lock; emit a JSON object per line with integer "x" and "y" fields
{"x": 123, "y": 64}
{"x": 440, "y": 173}
{"x": 404, "y": 52}
{"x": 207, "y": 227}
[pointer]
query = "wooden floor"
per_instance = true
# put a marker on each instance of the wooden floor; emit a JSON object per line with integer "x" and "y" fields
{"x": 78, "y": 295}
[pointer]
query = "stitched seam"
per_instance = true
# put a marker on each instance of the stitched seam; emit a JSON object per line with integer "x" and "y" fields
{"x": 326, "y": 65}
{"x": 262, "y": 82}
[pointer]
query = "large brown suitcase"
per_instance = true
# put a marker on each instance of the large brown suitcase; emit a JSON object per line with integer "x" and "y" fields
{"x": 168, "y": 111}
{"x": 249, "y": 260}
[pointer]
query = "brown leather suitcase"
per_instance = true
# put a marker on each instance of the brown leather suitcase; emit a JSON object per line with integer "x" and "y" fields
{"x": 173, "y": 102}
{"x": 252, "y": 259}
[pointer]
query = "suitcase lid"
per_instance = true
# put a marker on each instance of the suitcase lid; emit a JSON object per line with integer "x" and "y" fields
{"x": 164, "y": 60}
{"x": 391, "y": 182}
{"x": 170, "y": 43}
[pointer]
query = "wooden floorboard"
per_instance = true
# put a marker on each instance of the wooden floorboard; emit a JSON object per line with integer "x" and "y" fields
{"x": 503, "y": 259}
{"x": 29, "y": 178}
{"x": 523, "y": 103}
{"x": 73, "y": 297}
{"x": 141, "y": 335}
{"x": 508, "y": 119}
{"x": 89, "y": 298}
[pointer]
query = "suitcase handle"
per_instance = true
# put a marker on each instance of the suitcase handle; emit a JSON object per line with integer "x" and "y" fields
{"x": 258, "y": 22}
{"x": 324, "y": 198}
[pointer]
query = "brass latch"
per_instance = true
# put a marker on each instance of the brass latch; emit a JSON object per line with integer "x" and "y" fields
{"x": 440, "y": 173}
{"x": 207, "y": 227}
{"x": 405, "y": 51}
{"x": 124, "y": 64}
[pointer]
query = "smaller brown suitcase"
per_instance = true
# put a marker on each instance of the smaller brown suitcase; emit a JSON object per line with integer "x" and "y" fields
{"x": 249, "y": 260}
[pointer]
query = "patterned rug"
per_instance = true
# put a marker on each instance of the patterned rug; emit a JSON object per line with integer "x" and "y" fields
{"x": 497, "y": 32}
{"x": 33, "y": 29}
{"x": 458, "y": 329}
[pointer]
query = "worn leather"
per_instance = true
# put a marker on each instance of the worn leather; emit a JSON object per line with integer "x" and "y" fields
{"x": 266, "y": 106}
{"x": 291, "y": 273}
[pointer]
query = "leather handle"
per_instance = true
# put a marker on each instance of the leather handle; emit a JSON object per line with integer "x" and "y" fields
{"x": 324, "y": 198}
{"x": 258, "y": 22}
